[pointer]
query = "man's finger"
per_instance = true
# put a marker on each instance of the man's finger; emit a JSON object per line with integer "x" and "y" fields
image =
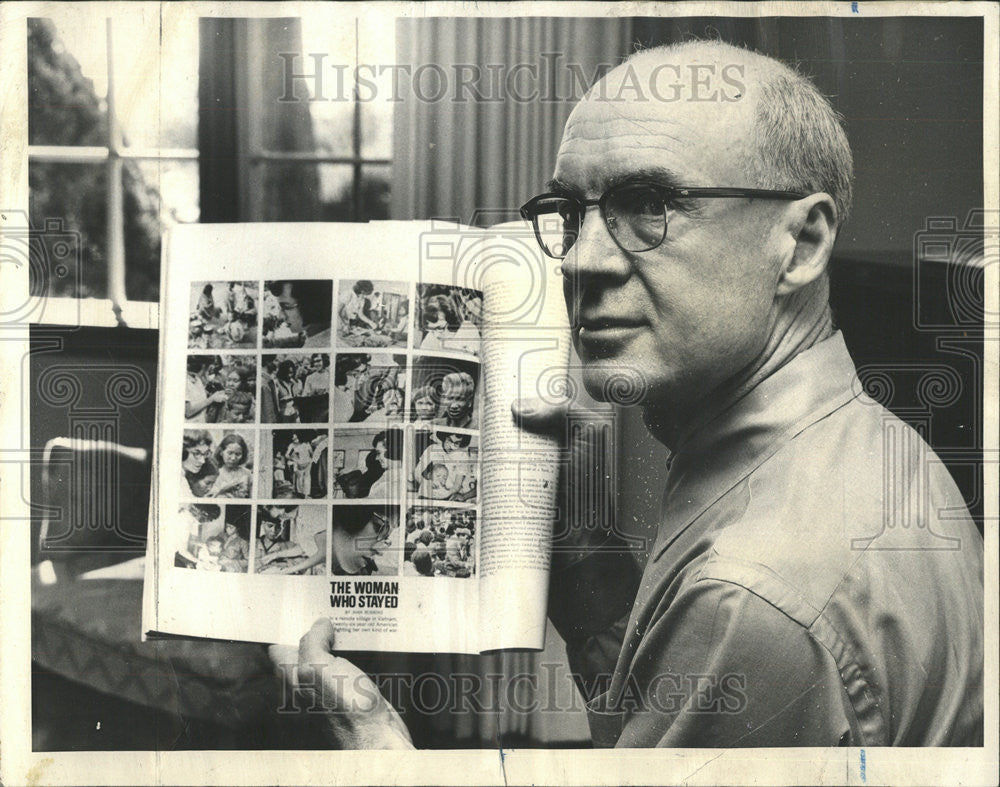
{"x": 539, "y": 416}
{"x": 316, "y": 647}
{"x": 283, "y": 657}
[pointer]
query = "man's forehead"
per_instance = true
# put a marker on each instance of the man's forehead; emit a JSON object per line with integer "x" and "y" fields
{"x": 614, "y": 132}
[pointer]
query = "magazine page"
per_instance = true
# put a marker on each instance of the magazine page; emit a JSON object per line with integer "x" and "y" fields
{"x": 526, "y": 348}
{"x": 319, "y": 438}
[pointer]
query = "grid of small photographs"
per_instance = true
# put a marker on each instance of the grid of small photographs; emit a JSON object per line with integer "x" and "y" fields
{"x": 331, "y": 428}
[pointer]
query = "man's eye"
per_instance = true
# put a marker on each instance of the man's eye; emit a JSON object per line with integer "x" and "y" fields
{"x": 638, "y": 202}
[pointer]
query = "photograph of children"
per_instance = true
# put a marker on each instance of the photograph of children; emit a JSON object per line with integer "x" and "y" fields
{"x": 223, "y": 315}
{"x": 452, "y": 386}
{"x": 296, "y": 313}
{"x": 295, "y": 463}
{"x": 290, "y": 540}
{"x": 365, "y": 540}
{"x": 217, "y": 463}
{"x": 440, "y": 542}
{"x": 368, "y": 463}
{"x": 295, "y": 388}
{"x": 444, "y": 466}
{"x": 373, "y": 313}
{"x": 449, "y": 319}
{"x": 220, "y": 389}
{"x": 368, "y": 387}
{"x": 214, "y": 538}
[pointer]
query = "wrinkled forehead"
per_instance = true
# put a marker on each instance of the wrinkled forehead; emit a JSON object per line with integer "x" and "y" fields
{"x": 685, "y": 119}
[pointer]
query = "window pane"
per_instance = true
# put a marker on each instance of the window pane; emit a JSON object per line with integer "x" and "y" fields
{"x": 156, "y": 81}
{"x": 156, "y": 78}
{"x": 337, "y": 192}
{"x": 376, "y": 52}
{"x": 65, "y": 88}
{"x": 334, "y": 195}
{"x": 376, "y": 126}
{"x": 328, "y": 40}
{"x": 333, "y": 127}
{"x": 349, "y": 56}
{"x": 376, "y": 185}
{"x": 67, "y": 200}
{"x": 177, "y": 185}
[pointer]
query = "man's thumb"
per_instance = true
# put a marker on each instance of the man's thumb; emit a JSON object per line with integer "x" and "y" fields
{"x": 539, "y": 416}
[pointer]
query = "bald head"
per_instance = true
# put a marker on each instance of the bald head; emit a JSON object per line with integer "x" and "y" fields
{"x": 784, "y": 131}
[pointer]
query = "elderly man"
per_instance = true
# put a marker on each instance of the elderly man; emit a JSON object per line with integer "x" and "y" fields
{"x": 815, "y": 578}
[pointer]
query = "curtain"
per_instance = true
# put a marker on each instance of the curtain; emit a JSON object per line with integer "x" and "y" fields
{"x": 483, "y": 104}
{"x": 240, "y": 117}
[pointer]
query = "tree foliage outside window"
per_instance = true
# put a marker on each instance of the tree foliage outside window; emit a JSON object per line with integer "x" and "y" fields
{"x": 64, "y": 109}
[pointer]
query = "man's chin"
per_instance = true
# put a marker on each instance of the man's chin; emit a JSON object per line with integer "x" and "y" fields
{"x": 614, "y": 383}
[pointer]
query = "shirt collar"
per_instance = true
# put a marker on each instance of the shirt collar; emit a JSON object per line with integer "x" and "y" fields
{"x": 729, "y": 447}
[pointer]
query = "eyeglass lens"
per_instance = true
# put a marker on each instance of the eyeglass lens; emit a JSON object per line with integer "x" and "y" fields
{"x": 557, "y": 224}
{"x": 635, "y": 215}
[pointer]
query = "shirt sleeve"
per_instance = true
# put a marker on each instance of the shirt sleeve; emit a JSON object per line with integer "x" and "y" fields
{"x": 721, "y": 667}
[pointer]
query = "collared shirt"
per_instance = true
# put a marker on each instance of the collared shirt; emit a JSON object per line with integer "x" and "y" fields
{"x": 816, "y": 580}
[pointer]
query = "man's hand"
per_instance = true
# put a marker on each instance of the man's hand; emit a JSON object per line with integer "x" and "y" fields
{"x": 594, "y": 576}
{"x": 585, "y": 476}
{"x": 357, "y": 716}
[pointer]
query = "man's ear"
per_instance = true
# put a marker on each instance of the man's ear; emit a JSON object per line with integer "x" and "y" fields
{"x": 812, "y": 222}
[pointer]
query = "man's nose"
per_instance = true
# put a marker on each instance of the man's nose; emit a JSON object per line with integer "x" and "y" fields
{"x": 595, "y": 252}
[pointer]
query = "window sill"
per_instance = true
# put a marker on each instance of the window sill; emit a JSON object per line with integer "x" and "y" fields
{"x": 93, "y": 312}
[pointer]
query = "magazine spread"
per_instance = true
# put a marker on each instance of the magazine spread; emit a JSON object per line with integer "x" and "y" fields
{"x": 334, "y": 435}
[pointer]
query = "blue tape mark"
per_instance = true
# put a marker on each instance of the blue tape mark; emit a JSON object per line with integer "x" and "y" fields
{"x": 864, "y": 777}
{"x": 854, "y": 7}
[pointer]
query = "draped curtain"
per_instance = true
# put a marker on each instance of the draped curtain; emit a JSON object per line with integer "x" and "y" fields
{"x": 239, "y": 118}
{"x": 484, "y": 144}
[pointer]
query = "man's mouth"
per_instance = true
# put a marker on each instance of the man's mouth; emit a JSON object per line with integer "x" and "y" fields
{"x": 600, "y": 336}
{"x": 592, "y": 321}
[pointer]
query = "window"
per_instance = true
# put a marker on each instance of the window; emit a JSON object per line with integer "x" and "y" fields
{"x": 305, "y": 141}
{"x": 122, "y": 143}
{"x": 108, "y": 159}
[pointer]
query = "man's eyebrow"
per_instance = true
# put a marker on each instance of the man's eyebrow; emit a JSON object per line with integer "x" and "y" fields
{"x": 559, "y": 187}
{"x": 661, "y": 175}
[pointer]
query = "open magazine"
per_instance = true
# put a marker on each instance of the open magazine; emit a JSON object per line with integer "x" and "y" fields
{"x": 334, "y": 435}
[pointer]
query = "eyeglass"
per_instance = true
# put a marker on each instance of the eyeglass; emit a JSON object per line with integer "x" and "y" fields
{"x": 636, "y": 214}
{"x": 382, "y": 527}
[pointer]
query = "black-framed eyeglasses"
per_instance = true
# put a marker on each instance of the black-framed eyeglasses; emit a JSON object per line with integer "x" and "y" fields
{"x": 636, "y": 214}
{"x": 382, "y": 527}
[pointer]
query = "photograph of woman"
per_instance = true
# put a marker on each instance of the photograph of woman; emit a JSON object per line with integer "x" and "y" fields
{"x": 294, "y": 463}
{"x": 223, "y": 315}
{"x": 369, "y": 388}
{"x": 449, "y": 319}
{"x": 447, "y": 469}
{"x": 218, "y": 539}
{"x": 377, "y": 472}
{"x": 291, "y": 540}
{"x": 234, "y": 464}
{"x": 220, "y": 389}
{"x": 373, "y": 314}
{"x": 362, "y": 537}
{"x": 455, "y": 385}
{"x": 295, "y": 388}
{"x": 198, "y": 470}
{"x": 297, "y": 313}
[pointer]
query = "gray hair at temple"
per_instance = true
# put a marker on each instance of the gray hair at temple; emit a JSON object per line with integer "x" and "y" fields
{"x": 800, "y": 140}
